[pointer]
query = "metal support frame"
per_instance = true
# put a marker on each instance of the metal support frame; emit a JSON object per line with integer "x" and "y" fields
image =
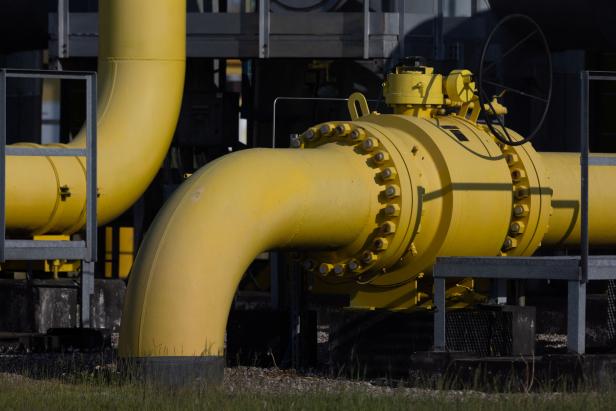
{"x": 576, "y": 270}
{"x": 86, "y": 249}
{"x": 262, "y": 34}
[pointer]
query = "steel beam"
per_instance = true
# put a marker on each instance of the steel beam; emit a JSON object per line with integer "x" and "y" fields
{"x": 512, "y": 268}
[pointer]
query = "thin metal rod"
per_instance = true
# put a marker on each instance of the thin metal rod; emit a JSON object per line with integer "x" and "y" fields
{"x": 511, "y": 50}
{"x": 3, "y": 159}
{"x": 366, "y": 37}
{"x": 584, "y": 149}
{"x": 264, "y": 29}
{"x": 63, "y": 28}
{"x": 45, "y": 152}
{"x": 515, "y": 90}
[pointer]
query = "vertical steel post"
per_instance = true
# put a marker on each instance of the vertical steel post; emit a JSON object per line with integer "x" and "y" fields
{"x": 498, "y": 291}
{"x": 439, "y": 313}
{"x": 275, "y": 265}
{"x": 63, "y": 28}
{"x": 87, "y": 290}
{"x": 295, "y": 274}
{"x": 3, "y": 165}
{"x": 87, "y": 271}
{"x": 91, "y": 178}
{"x": 438, "y": 30}
{"x": 584, "y": 149}
{"x": 264, "y": 29}
{"x": 401, "y": 29}
{"x": 366, "y": 37}
{"x": 576, "y": 316}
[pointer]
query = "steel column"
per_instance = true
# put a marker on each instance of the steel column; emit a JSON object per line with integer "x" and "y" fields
{"x": 63, "y": 28}
{"x": 264, "y": 28}
{"x": 576, "y": 317}
{"x": 440, "y": 343}
{"x": 3, "y": 165}
{"x": 366, "y": 37}
{"x": 401, "y": 29}
{"x": 91, "y": 185}
{"x": 296, "y": 285}
{"x": 87, "y": 290}
{"x": 584, "y": 176}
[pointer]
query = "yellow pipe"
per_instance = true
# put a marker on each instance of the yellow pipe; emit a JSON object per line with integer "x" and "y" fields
{"x": 194, "y": 255}
{"x": 141, "y": 75}
{"x": 564, "y": 227}
{"x": 370, "y": 204}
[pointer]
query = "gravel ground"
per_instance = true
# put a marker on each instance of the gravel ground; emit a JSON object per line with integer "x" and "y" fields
{"x": 276, "y": 381}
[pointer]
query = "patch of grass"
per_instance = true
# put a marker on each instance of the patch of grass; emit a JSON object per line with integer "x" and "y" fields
{"x": 94, "y": 393}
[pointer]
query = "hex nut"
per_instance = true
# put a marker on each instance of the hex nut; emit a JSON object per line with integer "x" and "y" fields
{"x": 392, "y": 210}
{"x": 368, "y": 257}
{"x": 310, "y": 134}
{"x": 509, "y": 244}
{"x": 339, "y": 269}
{"x": 520, "y": 210}
{"x": 388, "y": 228}
{"x": 521, "y": 192}
{"x": 326, "y": 129}
{"x": 358, "y": 135}
{"x": 370, "y": 144}
{"x": 517, "y": 174}
{"x": 388, "y": 173}
{"x": 392, "y": 191}
{"x": 353, "y": 265}
{"x": 511, "y": 158}
{"x": 325, "y": 268}
{"x": 380, "y": 157}
{"x": 380, "y": 243}
{"x": 517, "y": 227}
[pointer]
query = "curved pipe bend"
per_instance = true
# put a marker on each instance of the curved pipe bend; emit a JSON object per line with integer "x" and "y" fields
{"x": 141, "y": 76}
{"x": 254, "y": 201}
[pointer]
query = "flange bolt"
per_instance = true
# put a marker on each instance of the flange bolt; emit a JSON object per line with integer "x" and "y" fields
{"x": 388, "y": 173}
{"x": 370, "y": 144}
{"x": 325, "y": 268}
{"x": 354, "y": 265}
{"x": 392, "y": 210}
{"x": 392, "y": 191}
{"x": 388, "y": 228}
{"x": 380, "y": 157}
{"x": 380, "y": 243}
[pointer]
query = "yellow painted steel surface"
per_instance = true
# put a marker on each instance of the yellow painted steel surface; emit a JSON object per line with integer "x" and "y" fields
{"x": 369, "y": 203}
{"x": 140, "y": 84}
{"x": 192, "y": 259}
{"x": 123, "y": 238}
{"x": 564, "y": 227}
